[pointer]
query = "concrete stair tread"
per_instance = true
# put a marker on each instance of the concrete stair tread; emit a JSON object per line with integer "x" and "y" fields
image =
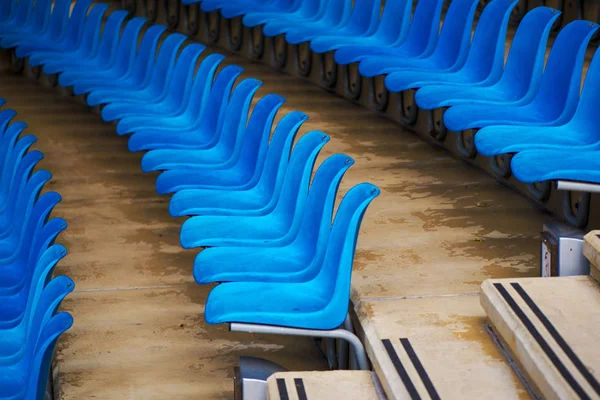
{"x": 436, "y": 347}
{"x": 322, "y": 385}
{"x": 550, "y": 327}
{"x": 591, "y": 249}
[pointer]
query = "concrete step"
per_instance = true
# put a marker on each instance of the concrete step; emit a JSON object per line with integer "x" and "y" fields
{"x": 323, "y": 385}
{"x": 436, "y": 347}
{"x": 550, "y": 326}
{"x": 591, "y": 249}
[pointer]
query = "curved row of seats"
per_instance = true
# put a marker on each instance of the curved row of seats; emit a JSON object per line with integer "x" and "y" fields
{"x": 547, "y": 117}
{"x": 513, "y": 103}
{"x": 29, "y": 297}
{"x": 267, "y": 226}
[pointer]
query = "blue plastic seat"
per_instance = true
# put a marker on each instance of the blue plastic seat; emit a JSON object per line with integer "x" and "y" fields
{"x": 556, "y": 100}
{"x": 140, "y": 87}
{"x": 331, "y": 14}
{"x": 83, "y": 47}
{"x": 363, "y": 20}
{"x": 227, "y": 150}
{"x": 282, "y": 223}
{"x": 259, "y": 192}
{"x": 532, "y": 166}
{"x": 175, "y": 94}
{"x": 134, "y": 67}
{"x": 41, "y": 303}
{"x": 229, "y": 179}
{"x": 70, "y": 37}
{"x": 15, "y": 218}
{"x": 27, "y": 379}
{"x": 120, "y": 59}
{"x": 580, "y": 132}
{"x": 485, "y": 60}
{"x": 23, "y": 270}
{"x": 17, "y": 166}
{"x": 238, "y": 149}
{"x": 520, "y": 80}
{"x": 95, "y": 53}
{"x": 366, "y": 27}
{"x": 197, "y": 127}
{"x": 420, "y": 40}
{"x": 450, "y": 52}
{"x": 322, "y": 302}
{"x": 33, "y": 20}
{"x": 48, "y": 27}
{"x": 187, "y": 93}
{"x": 297, "y": 261}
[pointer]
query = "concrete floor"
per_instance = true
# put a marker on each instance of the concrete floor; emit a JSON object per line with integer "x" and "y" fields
{"x": 439, "y": 228}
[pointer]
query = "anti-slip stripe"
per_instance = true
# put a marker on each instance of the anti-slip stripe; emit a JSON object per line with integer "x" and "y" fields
{"x": 558, "y": 338}
{"x": 283, "y": 393}
{"x": 300, "y": 390}
{"x": 410, "y": 387}
{"x": 541, "y": 342}
{"x": 420, "y": 369}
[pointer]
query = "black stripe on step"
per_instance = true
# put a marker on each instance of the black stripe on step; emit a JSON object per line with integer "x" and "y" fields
{"x": 283, "y": 393}
{"x": 420, "y": 369}
{"x": 410, "y": 387}
{"x": 558, "y": 338}
{"x": 541, "y": 341}
{"x": 300, "y": 389}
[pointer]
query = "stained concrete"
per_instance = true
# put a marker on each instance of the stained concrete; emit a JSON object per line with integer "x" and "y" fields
{"x": 438, "y": 228}
{"x": 551, "y": 328}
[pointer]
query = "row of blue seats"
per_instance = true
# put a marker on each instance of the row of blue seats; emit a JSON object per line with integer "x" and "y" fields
{"x": 268, "y": 228}
{"x": 29, "y": 297}
{"x": 517, "y": 105}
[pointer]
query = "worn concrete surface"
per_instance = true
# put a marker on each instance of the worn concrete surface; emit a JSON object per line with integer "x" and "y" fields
{"x": 449, "y": 338}
{"x": 439, "y": 228}
{"x": 319, "y": 385}
{"x": 562, "y": 360}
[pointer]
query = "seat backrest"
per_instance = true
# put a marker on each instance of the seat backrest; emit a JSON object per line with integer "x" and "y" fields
{"x": 111, "y": 34}
{"x": 127, "y": 46}
{"x": 143, "y": 64}
{"x": 90, "y": 37}
{"x": 294, "y": 190}
{"x": 42, "y": 11}
{"x": 587, "y": 116}
{"x": 486, "y": 55}
{"x": 202, "y": 83}
{"x": 336, "y": 273}
{"x": 395, "y": 20}
{"x": 163, "y": 64}
{"x": 365, "y": 16}
{"x": 270, "y": 174}
{"x": 561, "y": 81}
{"x": 525, "y": 61}
{"x": 178, "y": 89}
{"x": 237, "y": 113}
{"x": 44, "y": 352}
{"x": 59, "y": 19}
{"x": 255, "y": 141}
{"x": 424, "y": 27}
{"x": 213, "y": 113}
{"x": 455, "y": 36}
{"x": 315, "y": 227}
{"x": 75, "y": 24}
